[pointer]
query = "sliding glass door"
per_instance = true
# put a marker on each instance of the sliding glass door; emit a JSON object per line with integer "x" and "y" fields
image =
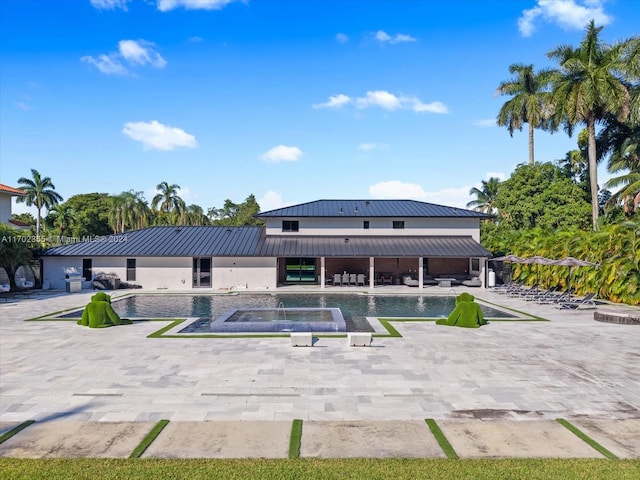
{"x": 201, "y": 272}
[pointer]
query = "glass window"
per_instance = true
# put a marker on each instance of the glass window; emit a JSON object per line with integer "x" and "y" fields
{"x": 131, "y": 269}
{"x": 87, "y": 269}
{"x": 398, "y": 224}
{"x": 290, "y": 225}
{"x": 365, "y": 224}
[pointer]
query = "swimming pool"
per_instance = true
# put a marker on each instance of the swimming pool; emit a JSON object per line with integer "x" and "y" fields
{"x": 213, "y": 306}
{"x": 278, "y": 320}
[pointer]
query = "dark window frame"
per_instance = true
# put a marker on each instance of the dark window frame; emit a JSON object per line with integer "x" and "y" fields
{"x": 365, "y": 224}
{"x": 290, "y": 226}
{"x": 131, "y": 269}
{"x": 87, "y": 269}
{"x": 398, "y": 225}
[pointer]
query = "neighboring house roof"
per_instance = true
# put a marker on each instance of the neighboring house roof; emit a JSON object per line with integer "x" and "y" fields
{"x": 18, "y": 223}
{"x": 371, "y": 208}
{"x": 14, "y": 192}
{"x": 210, "y": 241}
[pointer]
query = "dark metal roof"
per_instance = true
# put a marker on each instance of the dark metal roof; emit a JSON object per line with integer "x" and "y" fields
{"x": 371, "y": 208}
{"x": 191, "y": 241}
{"x": 372, "y": 246}
{"x": 252, "y": 242}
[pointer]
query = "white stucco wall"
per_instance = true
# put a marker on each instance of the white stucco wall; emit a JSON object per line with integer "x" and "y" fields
{"x": 380, "y": 226}
{"x": 173, "y": 273}
{"x": 256, "y": 272}
{"x": 5, "y": 208}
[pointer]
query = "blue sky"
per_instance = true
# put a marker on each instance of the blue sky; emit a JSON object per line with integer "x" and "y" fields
{"x": 291, "y": 101}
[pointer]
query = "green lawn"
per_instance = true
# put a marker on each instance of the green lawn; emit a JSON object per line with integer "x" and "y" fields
{"x": 304, "y": 469}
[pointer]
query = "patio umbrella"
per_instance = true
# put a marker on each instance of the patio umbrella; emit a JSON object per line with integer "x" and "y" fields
{"x": 507, "y": 259}
{"x": 537, "y": 260}
{"x": 573, "y": 262}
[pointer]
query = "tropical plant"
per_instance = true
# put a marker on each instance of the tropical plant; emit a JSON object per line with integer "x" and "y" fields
{"x": 194, "y": 215}
{"x": 64, "y": 217}
{"x": 621, "y": 141}
{"x": 485, "y": 200}
{"x": 40, "y": 193}
{"x": 128, "y": 210}
{"x": 167, "y": 199}
{"x": 589, "y": 86}
{"x": 529, "y": 103}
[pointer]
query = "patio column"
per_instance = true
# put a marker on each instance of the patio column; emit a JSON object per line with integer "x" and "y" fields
{"x": 372, "y": 272}
{"x": 322, "y": 272}
{"x": 420, "y": 272}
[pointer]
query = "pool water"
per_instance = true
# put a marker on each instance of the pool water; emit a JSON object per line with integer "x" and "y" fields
{"x": 213, "y": 306}
{"x": 277, "y": 320}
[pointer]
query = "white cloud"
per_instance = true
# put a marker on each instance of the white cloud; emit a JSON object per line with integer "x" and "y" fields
{"x": 110, "y": 4}
{"x": 282, "y": 153}
{"x": 166, "y": 5}
{"x": 568, "y": 14}
{"x": 379, "y": 98}
{"x": 385, "y": 100}
{"x": 141, "y": 52}
{"x": 107, "y": 64}
{"x": 132, "y": 52}
{"x": 342, "y": 38}
{"x": 270, "y": 201}
{"x": 335, "y": 101}
{"x": 195, "y": 39}
{"x": 156, "y": 136}
{"x": 485, "y": 122}
{"x": 367, "y": 147}
{"x": 383, "y": 37}
{"x": 23, "y": 106}
{"x": 433, "y": 107}
{"x": 394, "y": 189}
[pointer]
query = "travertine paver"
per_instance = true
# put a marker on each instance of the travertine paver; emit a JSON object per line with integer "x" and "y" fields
{"x": 7, "y": 426}
{"x": 222, "y": 440}
{"x": 524, "y": 439}
{"x": 570, "y": 367}
{"x": 620, "y": 437}
{"x": 368, "y": 440}
{"x": 72, "y": 439}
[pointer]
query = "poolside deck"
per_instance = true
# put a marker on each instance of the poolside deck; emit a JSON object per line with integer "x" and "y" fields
{"x": 571, "y": 367}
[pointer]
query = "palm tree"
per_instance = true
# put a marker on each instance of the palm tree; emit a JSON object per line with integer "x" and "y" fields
{"x": 194, "y": 215}
{"x": 65, "y": 216}
{"x": 529, "y": 103}
{"x": 589, "y": 86}
{"x": 129, "y": 209}
{"x": 168, "y": 199}
{"x": 621, "y": 141}
{"x": 485, "y": 196}
{"x": 40, "y": 192}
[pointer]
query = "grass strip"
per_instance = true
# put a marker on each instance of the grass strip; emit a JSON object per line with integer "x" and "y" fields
{"x": 295, "y": 439}
{"x": 325, "y": 469}
{"x": 17, "y": 429}
{"x": 446, "y": 447}
{"x": 148, "y": 439}
{"x": 387, "y": 324}
{"x": 586, "y": 438}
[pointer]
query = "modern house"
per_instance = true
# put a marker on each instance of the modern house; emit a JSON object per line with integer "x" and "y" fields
{"x": 367, "y": 242}
{"x": 6, "y": 194}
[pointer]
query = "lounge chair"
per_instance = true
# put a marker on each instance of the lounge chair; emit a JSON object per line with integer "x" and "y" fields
{"x": 345, "y": 279}
{"x": 353, "y": 279}
{"x": 337, "y": 279}
{"x": 387, "y": 279}
{"x": 473, "y": 282}
{"x": 580, "y": 304}
{"x": 360, "y": 280}
{"x": 409, "y": 281}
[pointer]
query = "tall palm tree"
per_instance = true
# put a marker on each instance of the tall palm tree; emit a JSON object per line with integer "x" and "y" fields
{"x": 40, "y": 192}
{"x": 168, "y": 199}
{"x": 129, "y": 209}
{"x": 529, "y": 103}
{"x": 589, "y": 86}
{"x": 621, "y": 141}
{"x": 485, "y": 196}
{"x": 65, "y": 217}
